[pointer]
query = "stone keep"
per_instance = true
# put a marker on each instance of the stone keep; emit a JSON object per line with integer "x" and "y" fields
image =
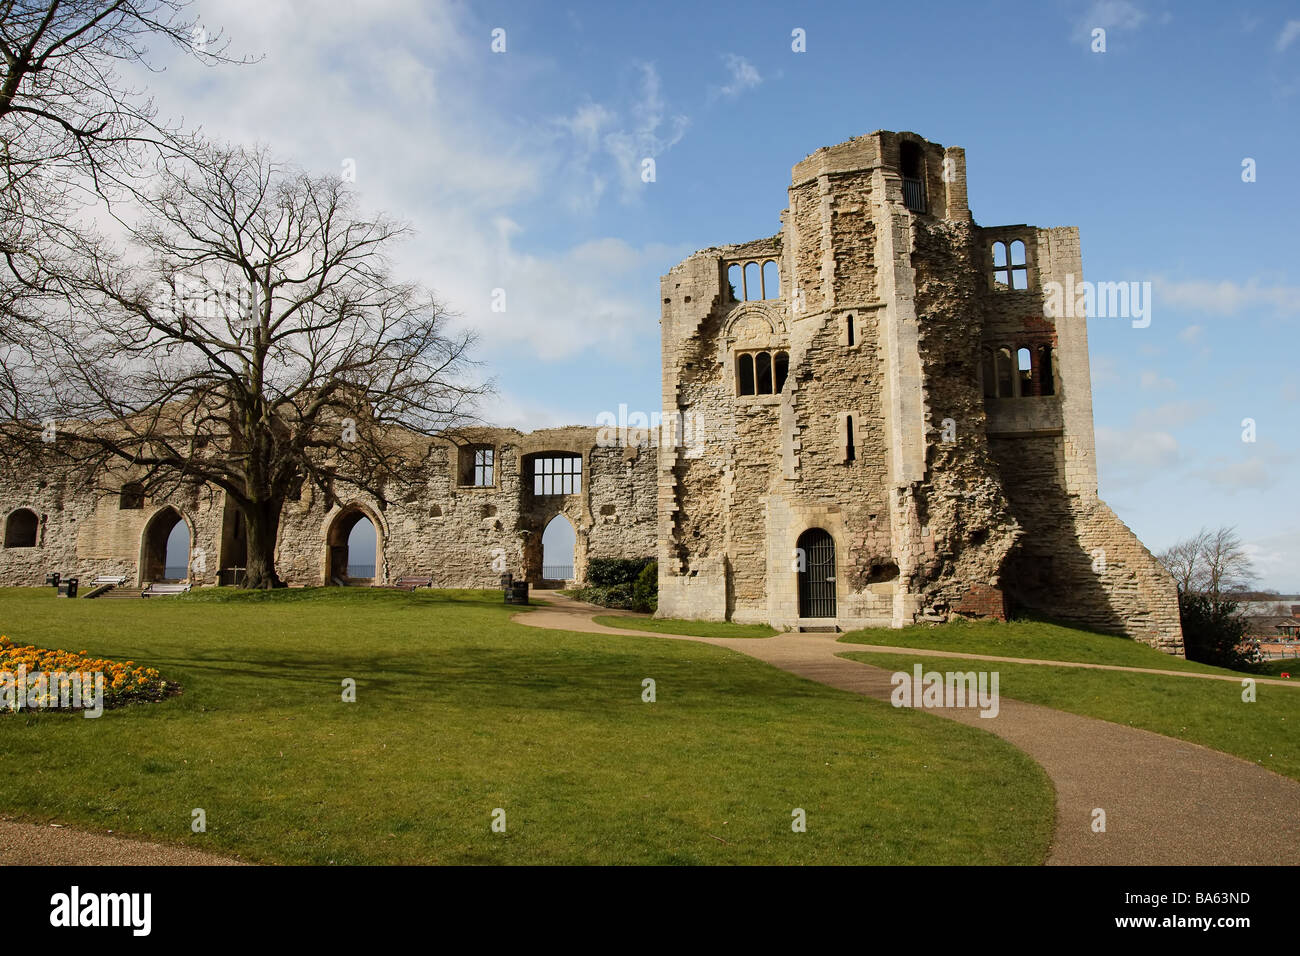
{"x": 887, "y": 426}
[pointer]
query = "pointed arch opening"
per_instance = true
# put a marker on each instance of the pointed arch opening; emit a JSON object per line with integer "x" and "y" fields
{"x": 817, "y": 574}
{"x": 559, "y": 544}
{"x": 165, "y": 548}
{"x": 353, "y": 545}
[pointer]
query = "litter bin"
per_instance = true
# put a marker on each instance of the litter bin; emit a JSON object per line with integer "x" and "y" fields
{"x": 506, "y": 580}
{"x": 68, "y": 588}
{"x": 52, "y": 579}
{"x": 517, "y": 593}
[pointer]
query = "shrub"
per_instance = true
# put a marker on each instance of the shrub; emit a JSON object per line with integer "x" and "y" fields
{"x": 607, "y": 572}
{"x": 1213, "y": 631}
{"x": 616, "y": 596}
{"x": 645, "y": 592}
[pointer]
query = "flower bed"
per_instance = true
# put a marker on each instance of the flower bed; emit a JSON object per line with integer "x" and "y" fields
{"x": 124, "y": 682}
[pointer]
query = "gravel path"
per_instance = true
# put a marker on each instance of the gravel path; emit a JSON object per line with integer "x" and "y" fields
{"x": 33, "y": 844}
{"x": 1167, "y": 802}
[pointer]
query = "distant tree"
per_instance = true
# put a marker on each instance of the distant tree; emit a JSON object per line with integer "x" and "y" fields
{"x": 1210, "y": 562}
{"x": 252, "y": 338}
{"x": 1213, "y": 631}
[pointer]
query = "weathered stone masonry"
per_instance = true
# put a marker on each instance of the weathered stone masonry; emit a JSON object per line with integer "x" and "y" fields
{"x": 923, "y": 419}
{"x": 459, "y": 533}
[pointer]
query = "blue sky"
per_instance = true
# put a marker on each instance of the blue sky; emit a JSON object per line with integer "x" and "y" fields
{"x": 521, "y": 170}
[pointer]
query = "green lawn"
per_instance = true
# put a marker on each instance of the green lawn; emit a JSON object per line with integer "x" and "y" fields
{"x": 1287, "y": 665}
{"x": 1208, "y": 712}
{"x": 1037, "y": 640}
{"x": 692, "y": 628}
{"x": 460, "y": 711}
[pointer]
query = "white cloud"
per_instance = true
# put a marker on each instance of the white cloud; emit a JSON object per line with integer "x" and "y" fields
{"x": 396, "y": 86}
{"x": 1288, "y": 35}
{"x": 1153, "y": 381}
{"x": 1192, "y": 334}
{"x": 1277, "y": 560}
{"x": 1134, "y": 455}
{"x": 744, "y": 75}
{"x": 1170, "y": 415}
{"x": 1227, "y": 297}
{"x": 1111, "y": 15}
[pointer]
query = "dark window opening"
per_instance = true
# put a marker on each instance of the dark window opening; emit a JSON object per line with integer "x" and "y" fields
{"x": 763, "y": 373}
{"x": 782, "y": 366}
{"x": 477, "y": 464}
{"x": 850, "y": 451}
{"x": 848, "y": 323}
{"x": 1046, "y": 376}
{"x": 989, "y": 374}
{"x": 20, "y": 529}
{"x": 1005, "y": 386}
{"x": 132, "y": 497}
{"x": 745, "y": 372}
{"x": 911, "y": 166}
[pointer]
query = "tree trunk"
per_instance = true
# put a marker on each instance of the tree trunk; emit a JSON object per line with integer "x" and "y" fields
{"x": 263, "y": 521}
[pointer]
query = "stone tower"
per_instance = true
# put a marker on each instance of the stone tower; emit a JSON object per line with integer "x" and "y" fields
{"x": 886, "y": 423}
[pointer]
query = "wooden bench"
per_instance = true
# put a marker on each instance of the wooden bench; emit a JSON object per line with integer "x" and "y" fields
{"x": 162, "y": 590}
{"x": 410, "y": 584}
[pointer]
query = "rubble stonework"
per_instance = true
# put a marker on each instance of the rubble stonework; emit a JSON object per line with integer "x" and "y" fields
{"x": 944, "y": 493}
{"x": 457, "y": 534}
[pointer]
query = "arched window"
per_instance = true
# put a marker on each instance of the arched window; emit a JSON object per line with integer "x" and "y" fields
{"x": 989, "y": 374}
{"x": 1004, "y": 375}
{"x": 763, "y": 373}
{"x": 1046, "y": 375}
{"x": 753, "y": 281}
{"x": 1025, "y": 372}
{"x": 736, "y": 281}
{"x": 781, "y": 367}
{"x": 911, "y": 167}
{"x": 20, "y": 529}
{"x": 848, "y": 330}
{"x": 1010, "y": 268}
{"x": 771, "y": 280}
{"x": 745, "y": 374}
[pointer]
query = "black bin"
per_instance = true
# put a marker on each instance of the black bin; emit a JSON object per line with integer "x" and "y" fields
{"x": 68, "y": 588}
{"x": 517, "y": 593}
{"x": 52, "y": 579}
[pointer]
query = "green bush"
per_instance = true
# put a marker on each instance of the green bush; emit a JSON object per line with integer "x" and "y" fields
{"x": 645, "y": 592}
{"x": 616, "y": 596}
{"x": 1213, "y": 631}
{"x": 608, "y": 572}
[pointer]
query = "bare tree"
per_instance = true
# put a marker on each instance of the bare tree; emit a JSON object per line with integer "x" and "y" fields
{"x": 1185, "y": 562}
{"x": 255, "y": 341}
{"x": 1228, "y": 566}
{"x": 72, "y": 131}
{"x": 1213, "y": 563}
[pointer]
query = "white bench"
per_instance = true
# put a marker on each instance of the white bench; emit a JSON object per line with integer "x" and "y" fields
{"x": 162, "y": 590}
{"x": 103, "y": 579}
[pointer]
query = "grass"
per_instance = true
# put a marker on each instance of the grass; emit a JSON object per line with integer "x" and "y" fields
{"x": 1275, "y": 668}
{"x": 1036, "y": 640}
{"x": 460, "y": 711}
{"x": 692, "y": 628}
{"x": 1209, "y": 712}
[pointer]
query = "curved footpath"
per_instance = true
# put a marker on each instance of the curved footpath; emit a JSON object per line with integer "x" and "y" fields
{"x": 1167, "y": 802}
{"x": 31, "y": 844}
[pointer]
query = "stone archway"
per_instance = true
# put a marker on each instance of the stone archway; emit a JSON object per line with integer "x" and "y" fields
{"x": 559, "y": 549}
{"x": 153, "y": 566}
{"x": 340, "y": 565}
{"x": 817, "y": 574}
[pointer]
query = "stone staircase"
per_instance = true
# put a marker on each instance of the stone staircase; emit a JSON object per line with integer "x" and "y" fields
{"x": 115, "y": 593}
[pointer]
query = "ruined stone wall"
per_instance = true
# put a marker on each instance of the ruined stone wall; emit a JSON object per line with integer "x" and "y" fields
{"x": 459, "y": 535}
{"x": 939, "y": 500}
